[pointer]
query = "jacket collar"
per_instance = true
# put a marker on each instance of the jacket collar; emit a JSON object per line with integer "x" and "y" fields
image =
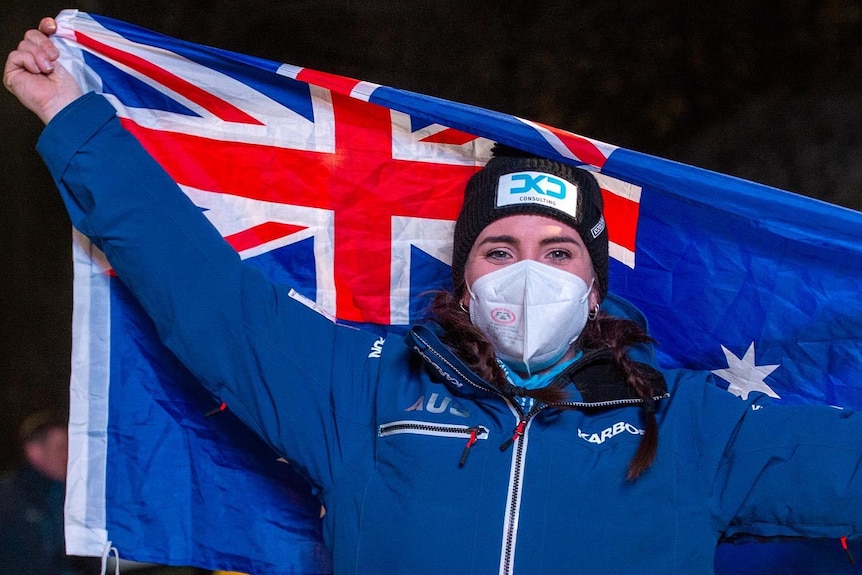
{"x": 443, "y": 365}
{"x": 595, "y": 378}
{"x": 600, "y": 383}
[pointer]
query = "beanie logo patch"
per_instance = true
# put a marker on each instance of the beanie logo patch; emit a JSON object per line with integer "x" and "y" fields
{"x": 538, "y": 188}
{"x": 597, "y": 229}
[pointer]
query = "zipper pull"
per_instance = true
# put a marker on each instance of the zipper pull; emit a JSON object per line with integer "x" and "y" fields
{"x": 218, "y": 409}
{"x": 519, "y": 431}
{"x": 474, "y": 437}
{"x": 846, "y": 548}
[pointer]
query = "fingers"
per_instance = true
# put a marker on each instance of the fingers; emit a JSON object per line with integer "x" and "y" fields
{"x": 33, "y": 74}
{"x": 41, "y": 51}
{"x": 36, "y": 53}
{"x": 47, "y": 26}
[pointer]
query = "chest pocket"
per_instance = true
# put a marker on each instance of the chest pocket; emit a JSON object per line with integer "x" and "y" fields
{"x": 448, "y": 433}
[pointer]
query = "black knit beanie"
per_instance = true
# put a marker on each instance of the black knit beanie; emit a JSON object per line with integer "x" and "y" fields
{"x": 514, "y": 183}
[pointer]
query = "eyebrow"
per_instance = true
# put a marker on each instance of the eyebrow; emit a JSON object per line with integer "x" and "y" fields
{"x": 559, "y": 240}
{"x": 507, "y": 239}
{"x": 503, "y": 239}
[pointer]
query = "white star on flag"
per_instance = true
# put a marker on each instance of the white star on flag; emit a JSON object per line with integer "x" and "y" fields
{"x": 744, "y": 375}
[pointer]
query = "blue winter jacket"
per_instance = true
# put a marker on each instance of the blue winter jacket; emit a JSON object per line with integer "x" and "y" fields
{"x": 381, "y": 425}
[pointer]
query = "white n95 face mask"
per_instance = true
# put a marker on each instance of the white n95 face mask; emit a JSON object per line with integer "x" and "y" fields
{"x": 530, "y": 312}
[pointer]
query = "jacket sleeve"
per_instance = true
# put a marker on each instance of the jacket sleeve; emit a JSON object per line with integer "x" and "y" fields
{"x": 248, "y": 341}
{"x": 784, "y": 470}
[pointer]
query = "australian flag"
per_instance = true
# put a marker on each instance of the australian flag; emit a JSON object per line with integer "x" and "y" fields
{"x": 347, "y": 191}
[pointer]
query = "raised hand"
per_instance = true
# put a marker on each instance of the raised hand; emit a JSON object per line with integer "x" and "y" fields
{"x": 33, "y": 74}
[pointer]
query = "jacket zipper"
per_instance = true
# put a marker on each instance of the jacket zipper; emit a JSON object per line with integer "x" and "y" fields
{"x": 425, "y": 428}
{"x": 474, "y": 437}
{"x": 471, "y": 433}
{"x": 610, "y": 403}
{"x": 518, "y": 439}
{"x": 519, "y": 431}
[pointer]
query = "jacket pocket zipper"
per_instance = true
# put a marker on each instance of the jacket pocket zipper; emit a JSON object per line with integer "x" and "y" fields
{"x": 471, "y": 433}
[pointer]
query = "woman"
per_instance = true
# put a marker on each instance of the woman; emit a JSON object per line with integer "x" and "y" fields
{"x": 518, "y": 432}
{"x": 529, "y": 271}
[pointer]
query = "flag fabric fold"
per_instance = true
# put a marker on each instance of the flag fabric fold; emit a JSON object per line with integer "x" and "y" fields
{"x": 306, "y": 174}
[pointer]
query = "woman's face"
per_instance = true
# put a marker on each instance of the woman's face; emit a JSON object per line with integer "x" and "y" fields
{"x": 530, "y": 237}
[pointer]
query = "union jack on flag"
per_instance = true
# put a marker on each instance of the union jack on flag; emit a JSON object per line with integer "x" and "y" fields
{"x": 348, "y": 191}
{"x": 300, "y": 153}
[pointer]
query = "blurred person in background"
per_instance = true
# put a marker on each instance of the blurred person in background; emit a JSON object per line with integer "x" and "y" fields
{"x": 31, "y": 503}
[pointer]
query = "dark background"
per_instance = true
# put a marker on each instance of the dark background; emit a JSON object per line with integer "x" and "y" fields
{"x": 768, "y": 90}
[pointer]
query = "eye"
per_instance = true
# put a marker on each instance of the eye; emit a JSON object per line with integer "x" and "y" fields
{"x": 497, "y": 255}
{"x": 559, "y": 254}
